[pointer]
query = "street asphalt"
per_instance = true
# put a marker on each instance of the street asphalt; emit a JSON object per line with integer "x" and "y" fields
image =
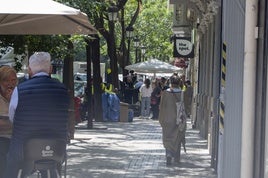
{"x": 133, "y": 150}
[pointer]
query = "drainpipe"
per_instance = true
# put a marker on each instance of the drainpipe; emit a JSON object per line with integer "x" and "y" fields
{"x": 249, "y": 83}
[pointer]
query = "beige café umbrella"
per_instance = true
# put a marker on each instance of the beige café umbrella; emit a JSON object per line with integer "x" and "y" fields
{"x": 42, "y": 17}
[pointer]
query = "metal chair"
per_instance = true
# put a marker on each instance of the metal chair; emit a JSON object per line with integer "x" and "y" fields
{"x": 44, "y": 156}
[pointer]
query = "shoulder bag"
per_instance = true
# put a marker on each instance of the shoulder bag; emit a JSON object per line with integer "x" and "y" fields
{"x": 181, "y": 115}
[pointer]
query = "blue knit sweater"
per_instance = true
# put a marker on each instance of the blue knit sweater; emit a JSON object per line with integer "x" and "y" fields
{"x": 42, "y": 110}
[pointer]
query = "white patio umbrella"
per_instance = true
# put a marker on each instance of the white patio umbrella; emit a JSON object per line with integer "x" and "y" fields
{"x": 153, "y": 66}
{"x": 7, "y": 56}
{"x": 41, "y": 17}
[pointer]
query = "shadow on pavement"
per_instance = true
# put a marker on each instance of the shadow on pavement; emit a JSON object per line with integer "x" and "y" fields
{"x": 134, "y": 150}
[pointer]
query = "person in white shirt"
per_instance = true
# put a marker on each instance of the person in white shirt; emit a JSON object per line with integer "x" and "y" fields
{"x": 145, "y": 92}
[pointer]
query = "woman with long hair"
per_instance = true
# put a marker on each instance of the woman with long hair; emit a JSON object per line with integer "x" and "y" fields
{"x": 8, "y": 81}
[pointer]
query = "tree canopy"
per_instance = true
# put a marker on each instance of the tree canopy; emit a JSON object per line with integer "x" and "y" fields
{"x": 152, "y": 25}
{"x": 153, "y": 28}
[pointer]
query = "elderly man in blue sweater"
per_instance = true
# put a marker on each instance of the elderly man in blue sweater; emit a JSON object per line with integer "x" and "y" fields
{"x": 38, "y": 106}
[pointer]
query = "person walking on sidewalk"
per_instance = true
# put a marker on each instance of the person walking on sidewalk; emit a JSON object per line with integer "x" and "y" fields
{"x": 188, "y": 93}
{"x": 155, "y": 99}
{"x": 145, "y": 92}
{"x": 38, "y": 106}
{"x": 172, "y": 134}
{"x": 8, "y": 81}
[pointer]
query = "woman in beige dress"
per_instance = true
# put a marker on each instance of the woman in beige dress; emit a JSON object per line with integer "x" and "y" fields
{"x": 172, "y": 134}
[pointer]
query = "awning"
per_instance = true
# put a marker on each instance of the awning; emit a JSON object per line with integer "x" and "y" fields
{"x": 42, "y": 17}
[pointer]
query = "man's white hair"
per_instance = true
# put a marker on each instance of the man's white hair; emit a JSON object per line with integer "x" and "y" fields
{"x": 40, "y": 62}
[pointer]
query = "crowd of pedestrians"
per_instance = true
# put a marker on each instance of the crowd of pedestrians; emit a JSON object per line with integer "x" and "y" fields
{"x": 23, "y": 115}
{"x": 150, "y": 91}
{"x": 159, "y": 98}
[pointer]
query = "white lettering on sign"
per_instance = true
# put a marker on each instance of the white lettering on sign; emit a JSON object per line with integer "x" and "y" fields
{"x": 184, "y": 47}
{"x": 47, "y": 152}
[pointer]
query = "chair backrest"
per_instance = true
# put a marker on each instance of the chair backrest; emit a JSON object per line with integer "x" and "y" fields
{"x": 38, "y": 149}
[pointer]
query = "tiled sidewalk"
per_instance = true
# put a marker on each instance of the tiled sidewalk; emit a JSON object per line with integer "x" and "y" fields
{"x": 133, "y": 150}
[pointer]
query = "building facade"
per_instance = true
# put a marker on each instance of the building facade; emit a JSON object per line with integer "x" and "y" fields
{"x": 229, "y": 73}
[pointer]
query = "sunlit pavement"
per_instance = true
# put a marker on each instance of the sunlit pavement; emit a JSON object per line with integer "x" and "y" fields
{"x": 133, "y": 149}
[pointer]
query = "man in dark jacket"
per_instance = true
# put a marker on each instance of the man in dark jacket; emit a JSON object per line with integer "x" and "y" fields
{"x": 38, "y": 106}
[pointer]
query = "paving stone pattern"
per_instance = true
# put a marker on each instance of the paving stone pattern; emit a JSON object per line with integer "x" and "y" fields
{"x": 133, "y": 150}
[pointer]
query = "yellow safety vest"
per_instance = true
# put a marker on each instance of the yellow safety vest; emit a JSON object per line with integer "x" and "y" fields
{"x": 183, "y": 88}
{"x": 107, "y": 89}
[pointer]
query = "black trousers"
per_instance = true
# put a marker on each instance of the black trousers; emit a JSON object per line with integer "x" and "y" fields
{"x": 4, "y": 146}
{"x": 155, "y": 110}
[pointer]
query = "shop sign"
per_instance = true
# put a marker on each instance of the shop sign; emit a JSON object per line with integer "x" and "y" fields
{"x": 183, "y": 47}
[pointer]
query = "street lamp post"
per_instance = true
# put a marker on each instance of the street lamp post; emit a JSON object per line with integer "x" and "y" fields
{"x": 113, "y": 15}
{"x": 143, "y": 50}
{"x": 136, "y": 45}
{"x": 129, "y": 35}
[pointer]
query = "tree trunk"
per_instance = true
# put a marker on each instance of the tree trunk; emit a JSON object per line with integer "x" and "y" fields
{"x": 112, "y": 54}
{"x": 68, "y": 80}
{"x": 97, "y": 79}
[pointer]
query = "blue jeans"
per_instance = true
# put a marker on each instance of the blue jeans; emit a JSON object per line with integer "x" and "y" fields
{"x": 145, "y": 106}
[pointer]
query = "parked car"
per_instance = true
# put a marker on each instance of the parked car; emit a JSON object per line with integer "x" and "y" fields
{"x": 79, "y": 88}
{"x": 79, "y": 99}
{"x": 80, "y": 77}
{"x": 21, "y": 77}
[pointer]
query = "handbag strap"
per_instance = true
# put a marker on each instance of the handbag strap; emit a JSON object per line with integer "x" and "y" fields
{"x": 181, "y": 106}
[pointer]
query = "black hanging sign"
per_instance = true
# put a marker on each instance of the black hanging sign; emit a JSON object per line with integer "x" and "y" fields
{"x": 183, "y": 47}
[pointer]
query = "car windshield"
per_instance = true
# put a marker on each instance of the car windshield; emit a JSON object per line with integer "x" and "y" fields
{"x": 80, "y": 77}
